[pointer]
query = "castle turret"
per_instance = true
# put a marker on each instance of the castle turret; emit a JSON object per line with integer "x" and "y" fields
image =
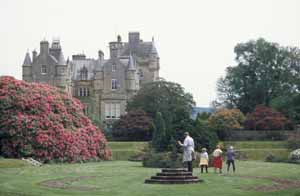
{"x": 134, "y": 38}
{"x": 116, "y": 48}
{"x": 63, "y": 78}
{"x": 55, "y": 49}
{"x": 100, "y": 55}
{"x": 131, "y": 75}
{"x": 154, "y": 62}
{"x": 27, "y": 68}
{"x": 34, "y": 55}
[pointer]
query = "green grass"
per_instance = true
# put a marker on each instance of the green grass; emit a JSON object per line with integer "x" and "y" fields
{"x": 12, "y": 163}
{"x": 125, "y": 150}
{"x": 254, "y": 150}
{"x": 258, "y": 150}
{"x": 256, "y": 144}
{"x": 125, "y": 178}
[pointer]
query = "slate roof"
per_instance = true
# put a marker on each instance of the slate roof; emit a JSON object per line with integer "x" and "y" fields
{"x": 61, "y": 59}
{"x": 131, "y": 63}
{"x": 27, "y": 60}
{"x": 143, "y": 49}
{"x": 90, "y": 64}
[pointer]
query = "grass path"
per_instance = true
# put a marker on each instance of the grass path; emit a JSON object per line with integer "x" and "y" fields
{"x": 126, "y": 179}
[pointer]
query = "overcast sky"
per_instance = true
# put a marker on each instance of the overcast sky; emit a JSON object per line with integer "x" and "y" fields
{"x": 194, "y": 38}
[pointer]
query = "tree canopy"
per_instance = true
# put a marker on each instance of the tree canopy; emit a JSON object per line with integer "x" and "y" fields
{"x": 264, "y": 71}
{"x": 136, "y": 125}
{"x": 169, "y": 100}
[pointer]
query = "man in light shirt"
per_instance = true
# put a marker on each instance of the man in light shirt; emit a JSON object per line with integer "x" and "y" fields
{"x": 188, "y": 150}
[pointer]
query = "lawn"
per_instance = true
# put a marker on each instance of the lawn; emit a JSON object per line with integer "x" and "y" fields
{"x": 127, "y": 179}
{"x": 125, "y": 150}
{"x": 254, "y": 150}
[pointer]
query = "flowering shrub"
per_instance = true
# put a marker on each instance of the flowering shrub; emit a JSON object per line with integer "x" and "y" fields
{"x": 46, "y": 123}
{"x": 264, "y": 118}
{"x": 224, "y": 120}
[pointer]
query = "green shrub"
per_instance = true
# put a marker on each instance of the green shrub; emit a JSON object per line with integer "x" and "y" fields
{"x": 136, "y": 125}
{"x": 224, "y": 120}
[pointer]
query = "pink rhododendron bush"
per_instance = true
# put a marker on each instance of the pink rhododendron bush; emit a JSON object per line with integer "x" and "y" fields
{"x": 43, "y": 122}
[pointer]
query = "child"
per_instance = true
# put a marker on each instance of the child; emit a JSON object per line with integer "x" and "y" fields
{"x": 230, "y": 158}
{"x": 203, "y": 160}
{"x": 217, "y": 162}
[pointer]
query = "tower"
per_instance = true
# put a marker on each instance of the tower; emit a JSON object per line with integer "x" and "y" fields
{"x": 131, "y": 76}
{"x": 27, "y": 68}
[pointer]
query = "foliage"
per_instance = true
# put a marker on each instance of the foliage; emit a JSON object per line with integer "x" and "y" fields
{"x": 46, "y": 123}
{"x": 136, "y": 125}
{"x": 264, "y": 71}
{"x": 203, "y": 117}
{"x": 265, "y": 118}
{"x": 168, "y": 98}
{"x": 159, "y": 139}
{"x": 288, "y": 105}
{"x": 224, "y": 120}
{"x": 203, "y": 136}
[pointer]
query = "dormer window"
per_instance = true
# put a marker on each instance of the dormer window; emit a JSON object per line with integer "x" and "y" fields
{"x": 83, "y": 73}
{"x": 44, "y": 70}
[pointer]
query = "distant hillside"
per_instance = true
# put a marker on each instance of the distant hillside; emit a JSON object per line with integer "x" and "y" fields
{"x": 200, "y": 110}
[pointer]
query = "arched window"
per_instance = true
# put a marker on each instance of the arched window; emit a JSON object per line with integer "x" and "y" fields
{"x": 44, "y": 70}
{"x": 83, "y": 73}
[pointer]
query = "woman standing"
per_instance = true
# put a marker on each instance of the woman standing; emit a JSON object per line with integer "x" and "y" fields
{"x": 217, "y": 161}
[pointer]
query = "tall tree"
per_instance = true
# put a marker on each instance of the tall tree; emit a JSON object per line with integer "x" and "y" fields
{"x": 168, "y": 98}
{"x": 159, "y": 139}
{"x": 171, "y": 101}
{"x": 264, "y": 71}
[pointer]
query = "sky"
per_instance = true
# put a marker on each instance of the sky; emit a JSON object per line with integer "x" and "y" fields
{"x": 195, "y": 38}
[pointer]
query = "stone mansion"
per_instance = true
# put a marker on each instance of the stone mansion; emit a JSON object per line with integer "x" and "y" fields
{"x": 103, "y": 85}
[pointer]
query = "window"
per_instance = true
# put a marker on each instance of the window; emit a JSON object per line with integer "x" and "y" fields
{"x": 83, "y": 73}
{"x": 113, "y": 67}
{"x": 83, "y": 92}
{"x": 44, "y": 69}
{"x": 112, "y": 111}
{"x": 114, "y": 84}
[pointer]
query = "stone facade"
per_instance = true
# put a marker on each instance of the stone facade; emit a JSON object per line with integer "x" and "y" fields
{"x": 103, "y": 85}
{"x": 49, "y": 66}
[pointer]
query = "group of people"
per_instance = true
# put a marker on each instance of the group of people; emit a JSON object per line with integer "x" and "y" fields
{"x": 189, "y": 155}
